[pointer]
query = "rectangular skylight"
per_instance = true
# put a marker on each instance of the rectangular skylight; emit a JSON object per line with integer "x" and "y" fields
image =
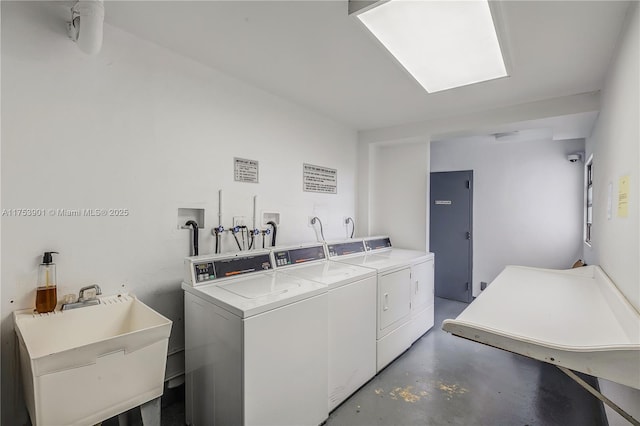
{"x": 442, "y": 43}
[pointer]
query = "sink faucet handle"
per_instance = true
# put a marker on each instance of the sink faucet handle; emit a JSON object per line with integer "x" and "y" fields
{"x": 95, "y": 287}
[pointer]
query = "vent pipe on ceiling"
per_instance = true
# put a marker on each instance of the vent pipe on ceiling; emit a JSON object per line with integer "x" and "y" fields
{"x": 85, "y": 28}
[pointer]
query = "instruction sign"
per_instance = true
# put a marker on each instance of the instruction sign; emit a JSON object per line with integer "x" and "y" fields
{"x": 245, "y": 170}
{"x": 319, "y": 179}
{"x": 623, "y": 196}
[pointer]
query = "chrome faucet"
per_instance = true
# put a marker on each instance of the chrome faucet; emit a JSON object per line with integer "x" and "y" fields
{"x": 81, "y": 297}
{"x": 83, "y": 300}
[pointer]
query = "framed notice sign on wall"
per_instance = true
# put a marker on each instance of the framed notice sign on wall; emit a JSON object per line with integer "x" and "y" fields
{"x": 319, "y": 179}
{"x": 245, "y": 170}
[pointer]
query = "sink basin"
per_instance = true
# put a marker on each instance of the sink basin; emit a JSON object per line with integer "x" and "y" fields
{"x": 86, "y": 365}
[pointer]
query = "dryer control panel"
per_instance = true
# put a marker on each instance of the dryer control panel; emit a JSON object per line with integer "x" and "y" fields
{"x": 204, "y": 269}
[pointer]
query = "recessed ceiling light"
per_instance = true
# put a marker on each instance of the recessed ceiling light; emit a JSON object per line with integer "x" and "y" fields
{"x": 442, "y": 44}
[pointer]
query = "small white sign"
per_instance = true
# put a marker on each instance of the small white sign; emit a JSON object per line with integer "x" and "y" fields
{"x": 443, "y": 202}
{"x": 319, "y": 179}
{"x": 245, "y": 170}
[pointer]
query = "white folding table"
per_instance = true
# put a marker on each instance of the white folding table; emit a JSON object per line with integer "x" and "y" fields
{"x": 576, "y": 319}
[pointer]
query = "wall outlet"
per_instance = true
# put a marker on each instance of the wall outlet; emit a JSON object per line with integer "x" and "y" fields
{"x": 239, "y": 221}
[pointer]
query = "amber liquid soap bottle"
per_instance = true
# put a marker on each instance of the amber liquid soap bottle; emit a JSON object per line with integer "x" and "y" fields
{"x": 46, "y": 293}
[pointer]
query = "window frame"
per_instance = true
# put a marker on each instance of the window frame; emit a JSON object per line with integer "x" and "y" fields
{"x": 588, "y": 201}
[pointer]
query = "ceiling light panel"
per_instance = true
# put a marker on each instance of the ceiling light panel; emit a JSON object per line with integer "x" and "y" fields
{"x": 442, "y": 44}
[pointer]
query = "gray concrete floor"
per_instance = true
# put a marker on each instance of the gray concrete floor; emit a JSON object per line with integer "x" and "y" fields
{"x": 446, "y": 380}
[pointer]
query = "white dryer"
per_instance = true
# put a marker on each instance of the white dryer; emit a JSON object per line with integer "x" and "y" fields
{"x": 422, "y": 280}
{"x": 352, "y": 315}
{"x": 404, "y": 291}
{"x": 255, "y": 343}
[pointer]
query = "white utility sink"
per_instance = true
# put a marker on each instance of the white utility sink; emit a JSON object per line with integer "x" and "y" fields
{"x": 82, "y": 366}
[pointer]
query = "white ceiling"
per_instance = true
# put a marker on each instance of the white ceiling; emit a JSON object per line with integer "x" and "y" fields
{"x": 572, "y": 126}
{"x": 313, "y": 53}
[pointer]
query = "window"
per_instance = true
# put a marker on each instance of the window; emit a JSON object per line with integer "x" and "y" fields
{"x": 588, "y": 206}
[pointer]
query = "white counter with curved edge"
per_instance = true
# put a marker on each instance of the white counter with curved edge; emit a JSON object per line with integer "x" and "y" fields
{"x": 576, "y": 319}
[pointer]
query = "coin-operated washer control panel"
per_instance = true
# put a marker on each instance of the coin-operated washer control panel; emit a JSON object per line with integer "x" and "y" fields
{"x": 204, "y": 270}
{"x": 345, "y": 248}
{"x": 377, "y": 244}
{"x": 298, "y": 256}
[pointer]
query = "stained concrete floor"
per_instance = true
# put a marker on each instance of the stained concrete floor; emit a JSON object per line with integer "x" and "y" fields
{"x": 446, "y": 380}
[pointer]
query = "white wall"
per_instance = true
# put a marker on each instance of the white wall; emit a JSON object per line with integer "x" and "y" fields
{"x": 400, "y": 175}
{"x": 373, "y": 142}
{"x": 527, "y": 201}
{"x": 140, "y": 128}
{"x": 615, "y": 146}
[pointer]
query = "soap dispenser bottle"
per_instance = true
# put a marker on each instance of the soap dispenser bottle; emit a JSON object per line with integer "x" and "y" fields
{"x": 46, "y": 293}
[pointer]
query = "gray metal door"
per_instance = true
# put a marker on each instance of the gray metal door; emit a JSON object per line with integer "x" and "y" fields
{"x": 450, "y": 234}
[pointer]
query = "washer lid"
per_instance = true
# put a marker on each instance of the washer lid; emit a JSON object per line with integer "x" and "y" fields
{"x": 372, "y": 261}
{"x": 264, "y": 286}
{"x": 386, "y": 260}
{"x": 332, "y": 274}
{"x": 413, "y": 256}
{"x": 257, "y": 293}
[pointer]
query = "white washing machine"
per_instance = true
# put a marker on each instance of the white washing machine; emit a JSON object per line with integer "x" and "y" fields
{"x": 405, "y": 292}
{"x": 352, "y": 315}
{"x": 255, "y": 343}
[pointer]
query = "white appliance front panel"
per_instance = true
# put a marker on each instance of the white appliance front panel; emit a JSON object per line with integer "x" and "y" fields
{"x": 352, "y": 338}
{"x": 286, "y": 365}
{"x": 421, "y": 322}
{"x": 422, "y": 288}
{"x": 213, "y": 364}
{"x": 393, "y": 345}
